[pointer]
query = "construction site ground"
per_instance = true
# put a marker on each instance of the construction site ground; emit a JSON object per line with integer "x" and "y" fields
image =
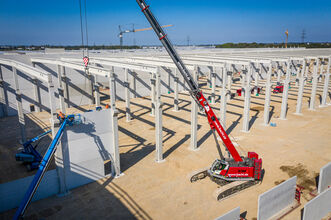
{"x": 299, "y": 145}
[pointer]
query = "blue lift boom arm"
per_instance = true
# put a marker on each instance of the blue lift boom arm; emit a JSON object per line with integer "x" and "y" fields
{"x": 42, "y": 169}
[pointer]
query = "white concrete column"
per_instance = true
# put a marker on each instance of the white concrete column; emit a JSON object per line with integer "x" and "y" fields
{"x": 114, "y": 115}
{"x": 194, "y": 117}
{"x": 96, "y": 91}
{"x": 133, "y": 84}
{"x": 158, "y": 119}
{"x": 3, "y": 101}
{"x": 279, "y": 72}
{"x": 153, "y": 90}
{"x": 213, "y": 84}
{"x": 326, "y": 83}
{"x": 224, "y": 97}
{"x": 20, "y": 113}
{"x": 247, "y": 102}
{"x": 266, "y": 115}
{"x": 285, "y": 91}
{"x": 127, "y": 95}
{"x": 243, "y": 81}
{"x": 36, "y": 90}
{"x": 257, "y": 72}
{"x": 60, "y": 89}
{"x": 176, "y": 91}
{"x": 314, "y": 86}
{"x": 229, "y": 81}
{"x": 65, "y": 87}
{"x": 301, "y": 88}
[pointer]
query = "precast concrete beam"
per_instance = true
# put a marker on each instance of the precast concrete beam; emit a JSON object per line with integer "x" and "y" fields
{"x": 326, "y": 84}
{"x": 20, "y": 113}
{"x": 127, "y": 95}
{"x": 301, "y": 88}
{"x": 194, "y": 118}
{"x": 267, "y": 96}
{"x": 285, "y": 92}
{"x": 247, "y": 102}
{"x": 314, "y": 86}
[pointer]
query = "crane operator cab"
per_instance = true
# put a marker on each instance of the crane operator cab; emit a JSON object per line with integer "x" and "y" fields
{"x": 219, "y": 167}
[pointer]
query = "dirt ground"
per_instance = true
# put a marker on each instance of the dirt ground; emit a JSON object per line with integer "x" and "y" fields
{"x": 299, "y": 146}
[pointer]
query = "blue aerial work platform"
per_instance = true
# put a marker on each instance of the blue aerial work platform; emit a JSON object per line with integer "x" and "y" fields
{"x": 67, "y": 120}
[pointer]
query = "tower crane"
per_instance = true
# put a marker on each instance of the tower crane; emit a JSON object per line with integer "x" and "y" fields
{"x": 120, "y": 35}
{"x": 236, "y": 172}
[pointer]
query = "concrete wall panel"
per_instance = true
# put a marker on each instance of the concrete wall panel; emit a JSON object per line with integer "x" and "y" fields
{"x": 276, "y": 199}
{"x": 11, "y": 193}
{"x": 318, "y": 207}
{"x": 325, "y": 178}
{"x": 234, "y": 214}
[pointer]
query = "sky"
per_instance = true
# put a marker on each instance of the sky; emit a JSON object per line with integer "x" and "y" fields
{"x": 39, "y": 22}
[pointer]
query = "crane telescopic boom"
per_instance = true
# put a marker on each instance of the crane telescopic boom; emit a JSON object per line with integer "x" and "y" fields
{"x": 194, "y": 89}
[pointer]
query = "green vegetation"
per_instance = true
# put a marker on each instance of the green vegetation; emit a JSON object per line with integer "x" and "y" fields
{"x": 268, "y": 45}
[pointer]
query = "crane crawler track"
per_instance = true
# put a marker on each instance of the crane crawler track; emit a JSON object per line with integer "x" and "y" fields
{"x": 226, "y": 192}
{"x": 199, "y": 175}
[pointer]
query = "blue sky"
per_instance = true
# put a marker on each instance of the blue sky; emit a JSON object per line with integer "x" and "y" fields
{"x": 204, "y": 21}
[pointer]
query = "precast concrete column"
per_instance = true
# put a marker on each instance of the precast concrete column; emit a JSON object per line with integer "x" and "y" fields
{"x": 229, "y": 81}
{"x": 266, "y": 115}
{"x": 326, "y": 84}
{"x": 213, "y": 84}
{"x": 243, "y": 81}
{"x": 60, "y": 89}
{"x": 314, "y": 86}
{"x": 320, "y": 72}
{"x": 176, "y": 91}
{"x": 285, "y": 91}
{"x": 114, "y": 115}
{"x": 297, "y": 72}
{"x": 96, "y": 91}
{"x": 158, "y": 119}
{"x": 247, "y": 102}
{"x": 127, "y": 95}
{"x": 20, "y": 113}
{"x": 153, "y": 90}
{"x": 301, "y": 88}
{"x": 223, "y": 97}
{"x": 3, "y": 101}
{"x": 194, "y": 117}
{"x": 60, "y": 158}
{"x": 169, "y": 79}
{"x": 257, "y": 72}
{"x": 65, "y": 87}
{"x": 89, "y": 86}
{"x": 36, "y": 90}
{"x": 133, "y": 84}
